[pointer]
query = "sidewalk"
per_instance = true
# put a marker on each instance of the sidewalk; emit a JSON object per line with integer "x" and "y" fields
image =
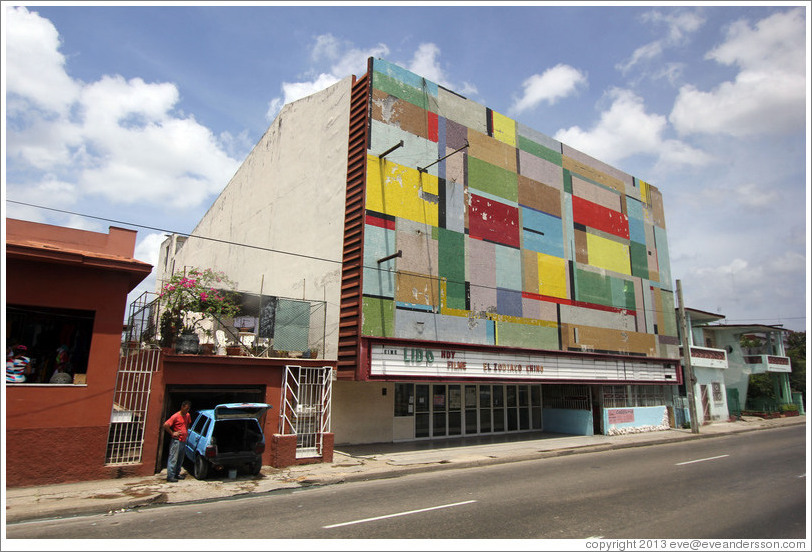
{"x": 350, "y": 463}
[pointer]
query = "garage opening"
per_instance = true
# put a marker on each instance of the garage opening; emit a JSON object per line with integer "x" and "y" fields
{"x": 203, "y": 397}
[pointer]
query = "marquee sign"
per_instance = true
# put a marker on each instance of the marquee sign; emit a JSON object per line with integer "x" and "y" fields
{"x": 415, "y": 361}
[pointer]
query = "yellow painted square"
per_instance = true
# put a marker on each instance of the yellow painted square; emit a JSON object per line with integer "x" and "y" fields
{"x": 504, "y": 129}
{"x": 552, "y": 276}
{"x": 608, "y": 254}
{"x": 643, "y": 191}
{"x": 401, "y": 191}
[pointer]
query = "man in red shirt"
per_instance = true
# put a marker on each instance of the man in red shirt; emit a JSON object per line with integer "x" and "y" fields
{"x": 177, "y": 426}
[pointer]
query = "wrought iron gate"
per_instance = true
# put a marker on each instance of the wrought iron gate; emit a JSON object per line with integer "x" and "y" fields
{"x": 305, "y": 407}
{"x": 125, "y": 439}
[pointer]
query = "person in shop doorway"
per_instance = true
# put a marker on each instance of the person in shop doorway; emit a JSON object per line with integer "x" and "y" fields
{"x": 177, "y": 426}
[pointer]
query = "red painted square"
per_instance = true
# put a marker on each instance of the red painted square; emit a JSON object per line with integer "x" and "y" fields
{"x": 494, "y": 221}
{"x": 599, "y": 217}
{"x": 433, "y": 131}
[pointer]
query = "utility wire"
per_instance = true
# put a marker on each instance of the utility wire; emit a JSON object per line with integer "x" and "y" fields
{"x": 259, "y": 247}
{"x": 164, "y": 230}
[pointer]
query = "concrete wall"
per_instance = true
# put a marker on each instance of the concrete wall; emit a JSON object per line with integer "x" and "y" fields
{"x": 566, "y": 420}
{"x": 639, "y": 419}
{"x": 514, "y": 240}
{"x": 287, "y": 196}
{"x": 362, "y": 413}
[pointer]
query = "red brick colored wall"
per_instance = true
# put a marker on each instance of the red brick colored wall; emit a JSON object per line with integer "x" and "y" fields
{"x": 206, "y": 370}
{"x": 58, "y": 433}
{"x": 55, "y": 455}
{"x": 284, "y": 451}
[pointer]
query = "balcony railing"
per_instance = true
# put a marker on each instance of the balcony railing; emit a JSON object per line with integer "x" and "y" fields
{"x": 705, "y": 357}
{"x": 767, "y": 363}
{"x": 266, "y": 326}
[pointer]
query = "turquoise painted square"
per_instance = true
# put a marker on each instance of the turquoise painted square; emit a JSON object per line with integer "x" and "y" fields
{"x": 378, "y": 243}
{"x": 392, "y": 71}
{"x": 379, "y": 282}
{"x": 661, "y": 241}
{"x": 622, "y": 293}
{"x": 637, "y": 228}
{"x": 542, "y": 232}
{"x": 508, "y": 268}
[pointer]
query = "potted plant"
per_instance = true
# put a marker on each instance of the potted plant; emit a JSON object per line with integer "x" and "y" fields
{"x": 751, "y": 344}
{"x": 190, "y": 298}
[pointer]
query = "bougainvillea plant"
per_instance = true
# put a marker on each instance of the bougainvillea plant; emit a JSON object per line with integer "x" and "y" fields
{"x": 202, "y": 292}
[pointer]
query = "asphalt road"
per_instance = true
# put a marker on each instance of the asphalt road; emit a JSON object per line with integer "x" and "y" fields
{"x": 748, "y": 485}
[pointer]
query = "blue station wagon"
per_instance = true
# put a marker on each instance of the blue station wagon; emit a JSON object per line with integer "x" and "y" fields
{"x": 229, "y": 436}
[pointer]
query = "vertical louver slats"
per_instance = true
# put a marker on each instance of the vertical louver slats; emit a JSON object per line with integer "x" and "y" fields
{"x": 349, "y": 330}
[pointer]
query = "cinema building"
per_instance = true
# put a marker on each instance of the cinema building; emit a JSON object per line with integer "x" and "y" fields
{"x": 479, "y": 277}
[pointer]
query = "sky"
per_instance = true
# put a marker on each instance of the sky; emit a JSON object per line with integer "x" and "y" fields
{"x": 137, "y": 114}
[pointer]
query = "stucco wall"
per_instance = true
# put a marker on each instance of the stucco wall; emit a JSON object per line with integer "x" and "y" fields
{"x": 362, "y": 413}
{"x": 287, "y": 196}
{"x": 707, "y": 376}
{"x": 640, "y": 419}
{"x": 514, "y": 239}
{"x": 58, "y": 433}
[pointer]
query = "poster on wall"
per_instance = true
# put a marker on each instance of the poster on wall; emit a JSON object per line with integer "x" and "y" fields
{"x": 620, "y": 415}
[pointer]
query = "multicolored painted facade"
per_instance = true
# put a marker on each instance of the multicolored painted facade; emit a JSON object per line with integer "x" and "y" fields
{"x": 481, "y": 230}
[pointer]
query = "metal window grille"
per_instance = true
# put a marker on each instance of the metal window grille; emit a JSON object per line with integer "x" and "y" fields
{"x": 566, "y": 396}
{"x": 125, "y": 439}
{"x": 306, "y": 405}
{"x": 649, "y": 395}
{"x": 614, "y": 396}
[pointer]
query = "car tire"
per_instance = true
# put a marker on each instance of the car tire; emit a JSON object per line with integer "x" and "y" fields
{"x": 255, "y": 467}
{"x": 201, "y": 467}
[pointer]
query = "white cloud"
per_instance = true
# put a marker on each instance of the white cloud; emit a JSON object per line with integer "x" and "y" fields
{"x": 148, "y": 247}
{"x": 552, "y": 85}
{"x": 762, "y": 290}
{"x": 115, "y": 138}
{"x": 769, "y": 93}
{"x": 327, "y": 47}
{"x": 293, "y": 91}
{"x": 425, "y": 63}
{"x": 679, "y": 25}
{"x": 35, "y": 69}
{"x": 756, "y": 197}
{"x": 345, "y": 61}
{"x": 625, "y": 129}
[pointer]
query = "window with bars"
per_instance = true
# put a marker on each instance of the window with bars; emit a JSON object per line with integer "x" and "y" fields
{"x": 615, "y": 396}
{"x": 619, "y": 396}
{"x": 649, "y": 395}
{"x": 566, "y": 396}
